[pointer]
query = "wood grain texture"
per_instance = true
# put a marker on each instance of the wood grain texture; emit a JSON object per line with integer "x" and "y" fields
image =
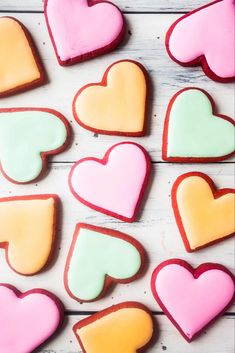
{"x": 167, "y": 78}
{"x": 125, "y": 5}
{"x": 155, "y": 228}
{"x": 216, "y": 339}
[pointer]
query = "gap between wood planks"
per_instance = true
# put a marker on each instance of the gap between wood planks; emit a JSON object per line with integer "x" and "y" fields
{"x": 155, "y": 313}
{"x": 124, "y": 12}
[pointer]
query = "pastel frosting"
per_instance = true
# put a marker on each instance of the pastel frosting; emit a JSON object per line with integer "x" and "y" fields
{"x": 190, "y": 302}
{"x": 18, "y": 66}
{"x": 26, "y": 320}
{"x": 118, "y": 104}
{"x": 28, "y": 228}
{"x": 115, "y": 184}
{"x": 25, "y": 135}
{"x": 209, "y": 31}
{"x": 116, "y": 330}
{"x": 96, "y": 255}
{"x": 194, "y": 131}
{"x": 79, "y": 29}
{"x": 205, "y": 219}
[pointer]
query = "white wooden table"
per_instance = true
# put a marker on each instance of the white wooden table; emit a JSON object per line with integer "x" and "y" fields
{"x": 147, "y": 21}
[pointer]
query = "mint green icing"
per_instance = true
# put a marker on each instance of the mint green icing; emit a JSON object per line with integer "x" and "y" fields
{"x": 194, "y": 131}
{"x": 96, "y": 255}
{"x": 23, "y": 137}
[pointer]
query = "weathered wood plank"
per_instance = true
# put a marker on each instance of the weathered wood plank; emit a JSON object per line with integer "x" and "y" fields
{"x": 217, "y": 339}
{"x": 155, "y": 229}
{"x": 127, "y": 6}
{"x": 167, "y": 78}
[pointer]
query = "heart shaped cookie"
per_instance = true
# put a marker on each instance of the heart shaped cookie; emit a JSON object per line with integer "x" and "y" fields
{"x": 27, "y": 231}
{"x": 126, "y": 328}
{"x": 115, "y": 184}
{"x": 117, "y": 105}
{"x": 203, "y": 214}
{"x": 27, "y": 137}
{"x": 99, "y": 257}
{"x": 193, "y": 132}
{"x": 20, "y": 65}
{"x": 27, "y": 319}
{"x": 206, "y": 37}
{"x": 192, "y": 299}
{"x": 83, "y": 29}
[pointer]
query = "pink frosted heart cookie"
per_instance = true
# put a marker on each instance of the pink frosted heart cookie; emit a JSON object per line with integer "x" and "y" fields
{"x": 115, "y": 184}
{"x": 206, "y": 37}
{"x": 83, "y": 29}
{"x": 27, "y": 319}
{"x": 192, "y": 298}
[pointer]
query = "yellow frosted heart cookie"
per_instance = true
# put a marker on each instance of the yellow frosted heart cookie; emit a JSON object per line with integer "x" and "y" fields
{"x": 116, "y": 105}
{"x": 122, "y": 328}
{"x": 204, "y": 214}
{"x": 20, "y": 66}
{"x": 27, "y": 231}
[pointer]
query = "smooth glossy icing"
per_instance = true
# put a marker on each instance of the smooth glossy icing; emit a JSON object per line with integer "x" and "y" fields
{"x": 24, "y": 135}
{"x": 125, "y": 331}
{"x": 96, "y": 255}
{"x": 117, "y": 107}
{"x": 26, "y": 322}
{"x": 115, "y": 187}
{"x": 27, "y": 226}
{"x": 79, "y": 29}
{"x": 17, "y": 62}
{"x": 191, "y": 302}
{"x": 205, "y": 219}
{"x": 194, "y": 131}
{"x": 209, "y": 32}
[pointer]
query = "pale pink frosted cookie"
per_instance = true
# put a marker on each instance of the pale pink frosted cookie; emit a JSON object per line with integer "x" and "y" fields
{"x": 83, "y": 29}
{"x": 192, "y": 298}
{"x": 27, "y": 319}
{"x": 115, "y": 184}
{"x": 206, "y": 37}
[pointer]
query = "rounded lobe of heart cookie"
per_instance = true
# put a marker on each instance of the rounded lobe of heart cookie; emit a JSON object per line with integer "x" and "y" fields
{"x": 192, "y": 299}
{"x": 82, "y": 29}
{"x": 114, "y": 185}
{"x": 99, "y": 257}
{"x": 125, "y": 328}
{"x": 206, "y": 37}
{"x": 203, "y": 214}
{"x": 27, "y": 320}
{"x": 20, "y": 65}
{"x": 193, "y": 132}
{"x": 27, "y": 136}
{"x": 28, "y": 231}
{"x": 117, "y": 105}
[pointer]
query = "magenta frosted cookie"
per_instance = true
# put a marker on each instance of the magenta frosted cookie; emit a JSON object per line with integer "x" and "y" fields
{"x": 205, "y": 37}
{"x": 27, "y": 320}
{"x": 99, "y": 257}
{"x": 192, "y": 298}
{"x": 83, "y": 29}
{"x": 113, "y": 185}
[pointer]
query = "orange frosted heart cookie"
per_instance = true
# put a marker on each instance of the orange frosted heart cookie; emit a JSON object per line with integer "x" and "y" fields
{"x": 20, "y": 66}
{"x": 27, "y": 231}
{"x": 122, "y": 328}
{"x": 204, "y": 214}
{"x": 116, "y": 105}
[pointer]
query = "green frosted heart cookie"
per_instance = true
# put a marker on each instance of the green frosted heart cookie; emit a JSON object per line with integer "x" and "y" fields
{"x": 27, "y": 136}
{"x": 98, "y": 257}
{"x": 193, "y": 132}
